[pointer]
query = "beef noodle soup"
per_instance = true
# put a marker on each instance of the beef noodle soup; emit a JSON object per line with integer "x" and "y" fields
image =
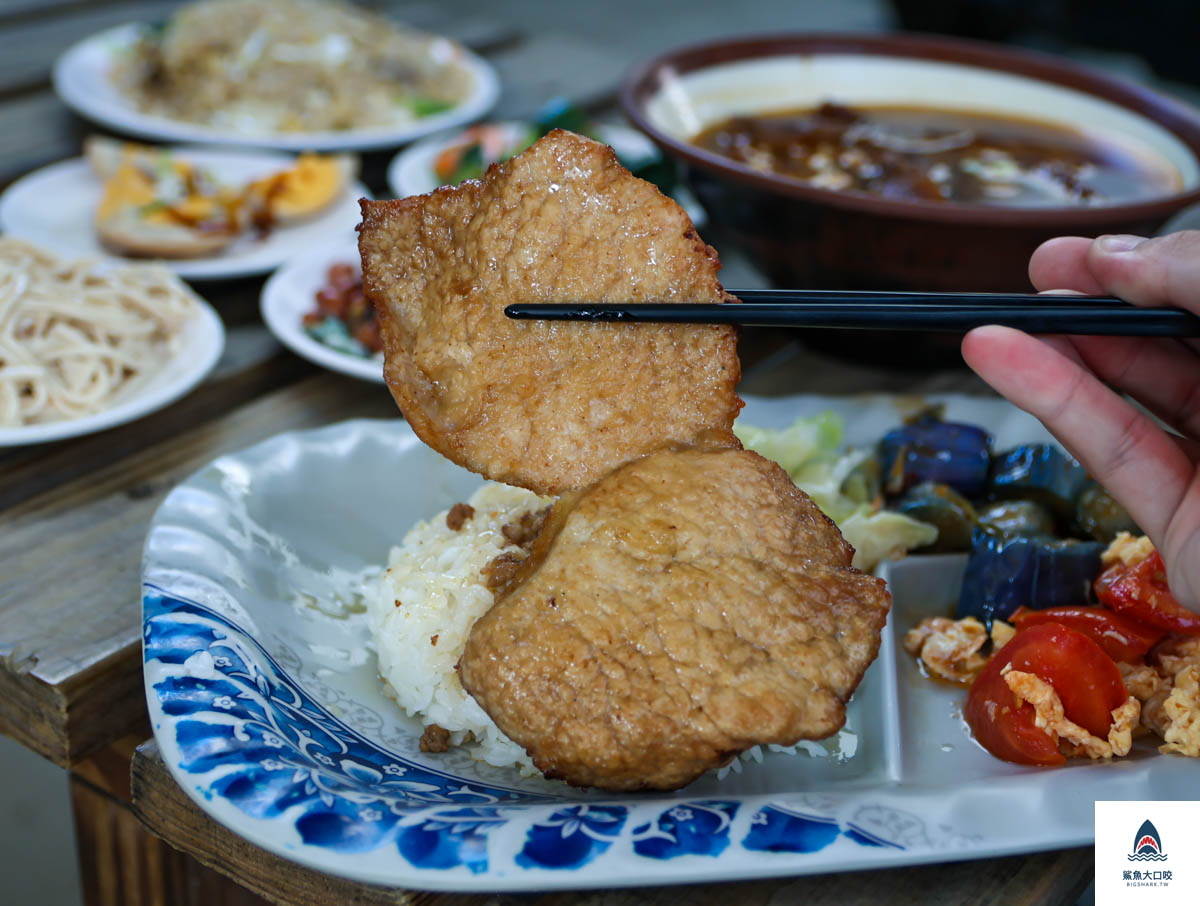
{"x": 909, "y": 153}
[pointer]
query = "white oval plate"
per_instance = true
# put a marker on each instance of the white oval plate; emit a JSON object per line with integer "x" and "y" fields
{"x": 82, "y": 80}
{"x": 54, "y": 207}
{"x": 264, "y": 695}
{"x": 200, "y": 344}
{"x": 290, "y": 293}
{"x": 411, "y": 171}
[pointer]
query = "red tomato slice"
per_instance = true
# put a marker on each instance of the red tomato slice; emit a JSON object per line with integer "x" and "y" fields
{"x": 1085, "y": 678}
{"x": 1122, "y": 637}
{"x": 1140, "y": 591}
{"x": 1003, "y": 725}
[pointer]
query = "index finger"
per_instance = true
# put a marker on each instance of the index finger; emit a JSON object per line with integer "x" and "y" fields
{"x": 1119, "y": 445}
{"x": 1160, "y": 271}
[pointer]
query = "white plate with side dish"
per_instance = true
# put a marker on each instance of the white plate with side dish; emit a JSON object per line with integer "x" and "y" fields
{"x": 195, "y": 351}
{"x": 83, "y": 78}
{"x": 68, "y": 225}
{"x": 266, "y": 703}
{"x": 290, "y": 293}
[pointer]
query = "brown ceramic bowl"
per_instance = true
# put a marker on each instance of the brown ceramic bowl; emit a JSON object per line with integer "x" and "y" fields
{"x": 809, "y": 237}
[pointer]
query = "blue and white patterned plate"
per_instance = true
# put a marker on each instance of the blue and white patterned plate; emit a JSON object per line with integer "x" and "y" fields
{"x": 267, "y": 707}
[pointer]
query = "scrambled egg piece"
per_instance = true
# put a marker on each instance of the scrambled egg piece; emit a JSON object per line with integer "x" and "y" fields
{"x": 156, "y": 204}
{"x": 1143, "y": 682}
{"x": 1002, "y": 634}
{"x": 1073, "y": 739}
{"x": 1154, "y": 718}
{"x": 1182, "y": 711}
{"x": 1125, "y": 721}
{"x": 1148, "y": 687}
{"x": 313, "y": 183}
{"x": 1176, "y": 653}
{"x": 948, "y": 648}
{"x": 1127, "y": 550}
{"x": 170, "y": 195}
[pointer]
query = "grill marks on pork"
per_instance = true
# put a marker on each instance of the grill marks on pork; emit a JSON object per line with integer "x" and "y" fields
{"x": 547, "y": 406}
{"x": 686, "y": 607}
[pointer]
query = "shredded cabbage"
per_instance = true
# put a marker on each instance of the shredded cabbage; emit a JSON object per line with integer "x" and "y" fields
{"x": 811, "y": 450}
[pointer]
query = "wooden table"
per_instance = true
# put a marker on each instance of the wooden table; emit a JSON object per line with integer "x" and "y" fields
{"x": 74, "y": 515}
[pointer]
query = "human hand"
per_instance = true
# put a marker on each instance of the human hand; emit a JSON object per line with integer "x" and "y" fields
{"x": 1062, "y": 380}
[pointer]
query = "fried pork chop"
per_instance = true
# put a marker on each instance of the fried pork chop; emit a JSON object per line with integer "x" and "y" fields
{"x": 687, "y": 606}
{"x": 547, "y": 406}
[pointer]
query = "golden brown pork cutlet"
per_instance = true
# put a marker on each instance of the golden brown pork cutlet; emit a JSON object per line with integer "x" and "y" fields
{"x": 547, "y": 406}
{"x": 688, "y": 606}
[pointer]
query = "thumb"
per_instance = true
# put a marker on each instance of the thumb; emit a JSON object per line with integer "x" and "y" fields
{"x": 1160, "y": 271}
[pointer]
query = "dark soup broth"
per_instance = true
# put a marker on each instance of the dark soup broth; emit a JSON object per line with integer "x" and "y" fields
{"x": 912, "y": 153}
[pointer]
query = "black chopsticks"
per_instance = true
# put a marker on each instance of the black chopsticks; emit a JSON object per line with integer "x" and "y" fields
{"x": 1097, "y": 315}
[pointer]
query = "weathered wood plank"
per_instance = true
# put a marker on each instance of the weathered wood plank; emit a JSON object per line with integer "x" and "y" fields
{"x": 107, "y": 769}
{"x": 70, "y": 671}
{"x": 253, "y": 364}
{"x": 122, "y": 864}
{"x": 37, "y": 130}
{"x": 1044, "y": 879}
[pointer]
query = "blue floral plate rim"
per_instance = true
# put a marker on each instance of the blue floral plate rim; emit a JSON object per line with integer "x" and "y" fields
{"x": 435, "y": 828}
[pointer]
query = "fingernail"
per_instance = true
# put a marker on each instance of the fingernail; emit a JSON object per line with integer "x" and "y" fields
{"x": 1120, "y": 243}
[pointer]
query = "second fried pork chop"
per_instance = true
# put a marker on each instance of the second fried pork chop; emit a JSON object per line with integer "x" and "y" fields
{"x": 547, "y": 406}
{"x": 687, "y": 606}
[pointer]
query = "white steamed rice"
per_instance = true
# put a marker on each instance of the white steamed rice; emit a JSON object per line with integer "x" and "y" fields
{"x": 423, "y": 607}
{"x": 432, "y": 589}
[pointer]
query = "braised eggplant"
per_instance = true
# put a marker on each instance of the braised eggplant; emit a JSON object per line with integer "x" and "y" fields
{"x": 1016, "y": 517}
{"x": 930, "y": 450}
{"x": 941, "y": 506}
{"x": 1101, "y": 517}
{"x": 1005, "y": 572}
{"x": 1039, "y": 472}
{"x": 864, "y": 483}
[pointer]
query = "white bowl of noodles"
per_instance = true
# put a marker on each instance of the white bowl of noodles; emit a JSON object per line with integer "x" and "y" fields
{"x": 86, "y": 345}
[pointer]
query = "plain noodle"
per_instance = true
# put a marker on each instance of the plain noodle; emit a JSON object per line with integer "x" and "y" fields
{"x": 78, "y": 336}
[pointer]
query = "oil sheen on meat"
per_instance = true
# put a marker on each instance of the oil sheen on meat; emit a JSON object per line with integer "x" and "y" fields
{"x": 687, "y": 606}
{"x": 547, "y": 406}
